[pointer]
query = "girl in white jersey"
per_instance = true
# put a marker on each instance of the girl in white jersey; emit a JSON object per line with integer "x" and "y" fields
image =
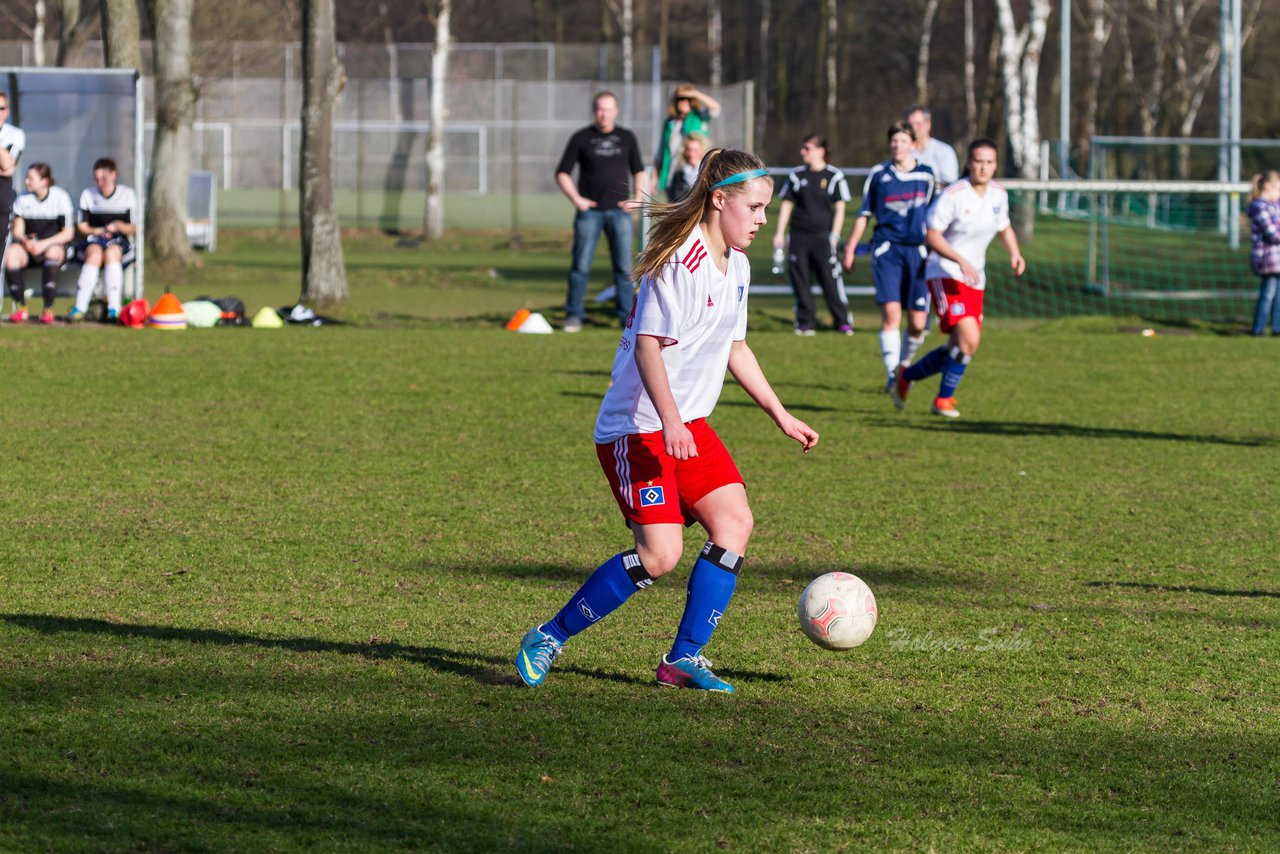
{"x": 667, "y": 468}
{"x": 968, "y": 215}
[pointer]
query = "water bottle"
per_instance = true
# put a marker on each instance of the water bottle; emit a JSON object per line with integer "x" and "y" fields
{"x": 778, "y": 257}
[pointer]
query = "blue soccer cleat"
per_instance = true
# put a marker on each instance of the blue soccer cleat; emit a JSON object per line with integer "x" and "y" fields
{"x": 538, "y": 650}
{"x": 690, "y": 672}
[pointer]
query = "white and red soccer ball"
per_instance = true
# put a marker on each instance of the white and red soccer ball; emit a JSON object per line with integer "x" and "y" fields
{"x": 837, "y": 611}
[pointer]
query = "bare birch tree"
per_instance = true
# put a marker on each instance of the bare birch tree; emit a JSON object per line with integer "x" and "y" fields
{"x": 74, "y": 30}
{"x": 922, "y": 51}
{"x": 970, "y": 75}
{"x": 832, "y": 48}
{"x": 1020, "y": 52}
{"x": 762, "y": 81}
{"x": 175, "y": 95}
{"x": 435, "y": 139}
{"x": 715, "y": 41}
{"x": 38, "y": 32}
{"x": 121, "y": 33}
{"x": 1099, "y": 23}
{"x": 324, "y": 274}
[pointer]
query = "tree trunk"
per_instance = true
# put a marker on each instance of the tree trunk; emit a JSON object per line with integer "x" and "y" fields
{"x": 175, "y": 95}
{"x": 324, "y": 274}
{"x": 435, "y": 139}
{"x": 762, "y": 88}
{"x": 628, "y": 47}
{"x": 715, "y": 38}
{"x": 1099, "y": 35}
{"x": 73, "y": 30}
{"x": 37, "y": 33}
{"x": 121, "y": 34}
{"x": 922, "y": 51}
{"x": 1020, "y": 51}
{"x": 833, "y": 86}
{"x": 970, "y": 76}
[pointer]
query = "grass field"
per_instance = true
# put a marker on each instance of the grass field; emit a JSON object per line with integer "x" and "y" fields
{"x": 261, "y": 590}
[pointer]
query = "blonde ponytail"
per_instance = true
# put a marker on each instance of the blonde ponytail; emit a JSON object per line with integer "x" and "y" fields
{"x": 672, "y": 223}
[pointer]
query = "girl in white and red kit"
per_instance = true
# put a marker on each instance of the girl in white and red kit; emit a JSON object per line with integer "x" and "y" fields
{"x": 665, "y": 464}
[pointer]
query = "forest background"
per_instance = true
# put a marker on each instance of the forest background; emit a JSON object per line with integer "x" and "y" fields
{"x": 840, "y": 67}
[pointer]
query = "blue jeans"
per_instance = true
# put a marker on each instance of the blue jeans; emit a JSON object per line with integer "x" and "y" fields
{"x": 587, "y": 225}
{"x": 1267, "y": 304}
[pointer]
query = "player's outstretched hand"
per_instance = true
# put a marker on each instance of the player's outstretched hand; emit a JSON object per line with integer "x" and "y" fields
{"x": 798, "y": 430}
{"x": 1019, "y": 265}
{"x": 679, "y": 442}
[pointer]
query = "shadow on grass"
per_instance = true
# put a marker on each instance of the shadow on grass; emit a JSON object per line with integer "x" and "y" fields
{"x": 1075, "y": 431}
{"x": 876, "y": 575}
{"x": 486, "y": 669}
{"x": 1187, "y": 588}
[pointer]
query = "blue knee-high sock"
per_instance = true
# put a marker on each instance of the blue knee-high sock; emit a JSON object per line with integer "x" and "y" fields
{"x": 711, "y": 584}
{"x": 928, "y": 366}
{"x": 609, "y": 586}
{"x": 953, "y": 372}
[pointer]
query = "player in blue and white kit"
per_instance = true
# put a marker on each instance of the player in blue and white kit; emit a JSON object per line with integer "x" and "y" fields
{"x": 968, "y": 215}
{"x": 43, "y": 225}
{"x": 665, "y": 465}
{"x": 897, "y": 193}
{"x": 108, "y": 218}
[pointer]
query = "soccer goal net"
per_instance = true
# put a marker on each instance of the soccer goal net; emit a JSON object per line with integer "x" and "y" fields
{"x": 1156, "y": 249}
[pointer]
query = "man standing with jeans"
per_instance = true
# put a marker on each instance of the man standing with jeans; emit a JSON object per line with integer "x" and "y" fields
{"x": 609, "y": 166}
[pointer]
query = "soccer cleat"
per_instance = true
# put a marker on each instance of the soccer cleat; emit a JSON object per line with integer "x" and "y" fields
{"x": 845, "y": 329}
{"x": 689, "y": 672}
{"x": 75, "y": 315}
{"x": 572, "y": 324}
{"x": 46, "y": 317}
{"x": 538, "y": 650}
{"x": 113, "y": 315}
{"x": 946, "y": 407}
{"x": 899, "y": 387}
{"x": 19, "y": 316}
{"x": 805, "y": 331}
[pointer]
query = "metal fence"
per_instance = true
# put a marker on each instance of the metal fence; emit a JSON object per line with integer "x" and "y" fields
{"x": 510, "y": 108}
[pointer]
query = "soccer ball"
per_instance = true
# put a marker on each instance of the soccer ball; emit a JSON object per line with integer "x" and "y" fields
{"x": 837, "y": 611}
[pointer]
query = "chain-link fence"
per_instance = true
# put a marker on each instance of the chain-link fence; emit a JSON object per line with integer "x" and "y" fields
{"x": 511, "y": 108}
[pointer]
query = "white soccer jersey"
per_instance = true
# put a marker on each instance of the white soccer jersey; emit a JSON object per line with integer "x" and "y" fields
{"x": 699, "y": 313}
{"x": 13, "y": 139}
{"x": 98, "y": 210}
{"x": 969, "y": 222}
{"x": 44, "y": 218}
{"x": 941, "y": 158}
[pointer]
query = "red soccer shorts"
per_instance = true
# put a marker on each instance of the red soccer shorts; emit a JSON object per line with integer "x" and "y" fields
{"x": 653, "y": 487}
{"x": 955, "y": 300}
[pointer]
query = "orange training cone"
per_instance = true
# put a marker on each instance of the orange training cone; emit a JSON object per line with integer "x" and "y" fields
{"x": 518, "y": 319}
{"x": 167, "y": 314}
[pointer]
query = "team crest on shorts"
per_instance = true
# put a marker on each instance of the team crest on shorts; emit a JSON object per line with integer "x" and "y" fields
{"x": 651, "y": 496}
{"x": 957, "y": 308}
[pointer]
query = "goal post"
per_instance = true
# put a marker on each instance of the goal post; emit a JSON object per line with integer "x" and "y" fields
{"x": 1149, "y": 248}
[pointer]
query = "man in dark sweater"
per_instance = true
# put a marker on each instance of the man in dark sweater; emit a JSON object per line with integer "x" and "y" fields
{"x": 611, "y": 183}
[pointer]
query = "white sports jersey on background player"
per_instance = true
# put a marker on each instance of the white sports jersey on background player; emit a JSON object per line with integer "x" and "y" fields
{"x": 968, "y": 222}
{"x": 46, "y": 218}
{"x": 98, "y": 210}
{"x": 696, "y": 310}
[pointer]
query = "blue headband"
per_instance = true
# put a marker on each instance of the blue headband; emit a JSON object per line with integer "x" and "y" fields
{"x": 740, "y": 177}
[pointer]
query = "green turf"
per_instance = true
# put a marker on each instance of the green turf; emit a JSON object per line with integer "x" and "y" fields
{"x": 261, "y": 590}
